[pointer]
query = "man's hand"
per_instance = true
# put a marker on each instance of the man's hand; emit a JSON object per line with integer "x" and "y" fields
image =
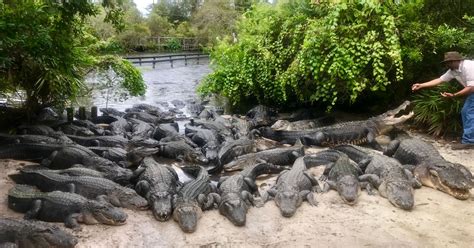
{"x": 447, "y": 94}
{"x": 416, "y": 87}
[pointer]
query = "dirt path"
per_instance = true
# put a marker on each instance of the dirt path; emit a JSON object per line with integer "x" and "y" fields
{"x": 438, "y": 220}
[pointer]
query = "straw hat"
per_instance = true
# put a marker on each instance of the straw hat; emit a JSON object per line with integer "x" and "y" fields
{"x": 452, "y": 56}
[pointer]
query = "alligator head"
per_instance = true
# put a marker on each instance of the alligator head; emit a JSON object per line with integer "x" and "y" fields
{"x": 386, "y": 120}
{"x": 187, "y": 214}
{"x": 48, "y": 236}
{"x": 196, "y": 156}
{"x": 128, "y": 198}
{"x": 399, "y": 193}
{"x": 161, "y": 205}
{"x": 348, "y": 188}
{"x": 101, "y": 212}
{"x": 453, "y": 179}
{"x": 288, "y": 201}
{"x": 234, "y": 209}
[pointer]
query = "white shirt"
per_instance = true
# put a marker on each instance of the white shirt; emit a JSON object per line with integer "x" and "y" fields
{"x": 464, "y": 75}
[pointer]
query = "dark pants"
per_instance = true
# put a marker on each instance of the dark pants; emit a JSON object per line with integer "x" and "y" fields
{"x": 467, "y": 114}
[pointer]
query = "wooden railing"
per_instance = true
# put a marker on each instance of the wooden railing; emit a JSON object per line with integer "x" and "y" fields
{"x": 154, "y": 59}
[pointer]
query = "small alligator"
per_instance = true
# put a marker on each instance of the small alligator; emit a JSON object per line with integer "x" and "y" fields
{"x": 182, "y": 151}
{"x": 340, "y": 174}
{"x": 353, "y": 132}
{"x": 292, "y": 187}
{"x": 102, "y": 141}
{"x": 392, "y": 180}
{"x": 261, "y": 115}
{"x": 141, "y": 129}
{"x": 114, "y": 154}
{"x": 164, "y": 130}
{"x": 431, "y": 168}
{"x": 277, "y": 156}
{"x": 158, "y": 183}
{"x": 232, "y": 149}
{"x": 71, "y": 129}
{"x": 64, "y": 207}
{"x": 89, "y": 187}
{"x": 205, "y": 138}
{"x": 237, "y": 191}
{"x": 33, "y": 234}
{"x": 195, "y": 196}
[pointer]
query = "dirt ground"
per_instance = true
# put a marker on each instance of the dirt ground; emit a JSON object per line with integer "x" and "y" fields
{"x": 438, "y": 220}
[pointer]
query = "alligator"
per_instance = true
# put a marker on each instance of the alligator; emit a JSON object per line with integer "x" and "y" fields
{"x": 340, "y": 174}
{"x": 89, "y": 187}
{"x": 75, "y": 130}
{"x": 120, "y": 126}
{"x": 182, "y": 151}
{"x": 104, "y": 141}
{"x": 277, "y": 156}
{"x": 97, "y": 130}
{"x": 431, "y": 168}
{"x": 7, "y": 139}
{"x": 303, "y": 124}
{"x": 136, "y": 155}
{"x": 353, "y": 132}
{"x": 387, "y": 174}
{"x": 158, "y": 183}
{"x": 115, "y": 154}
{"x": 195, "y": 109}
{"x": 261, "y": 116}
{"x": 224, "y": 131}
{"x": 35, "y": 151}
{"x": 34, "y": 234}
{"x": 234, "y": 148}
{"x": 64, "y": 207}
{"x": 292, "y": 187}
{"x": 241, "y": 127}
{"x": 195, "y": 196}
{"x": 141, "y": 129}
{"x": 35, "y": 129}
{"x": 237, "y": 191}
{"x": 166, "y": 129}
{"x": 207, "y": 139}
{"x": 143, "y": 116}
{"x": 111, "y": 112}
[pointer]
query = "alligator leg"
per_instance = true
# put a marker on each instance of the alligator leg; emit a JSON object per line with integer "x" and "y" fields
{"x": 72, "y": 221}
{"x": 251, "y": 184}
{"x": 328, "y": 185}
{"x": 269, "y": 194}
{"x": 309, "y": 197}
{"x": 368, "y": 187}
{"x": 71, "y": 188}
{"x": 413, "y": 180}
{"x": 34, "y": 211}
{"x": 392, "y": 148}
{"x": 372, "y": 179}
{"x": 372, "y": 141}
{"x": 142, "y": 187}
{"x": 314, "y": 182}
{"x": 256, "y": 202}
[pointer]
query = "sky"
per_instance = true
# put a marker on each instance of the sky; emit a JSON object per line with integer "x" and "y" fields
{"x": 143, "y": 4}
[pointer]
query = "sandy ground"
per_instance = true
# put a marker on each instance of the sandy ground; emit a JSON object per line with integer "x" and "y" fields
{"x": 438, "y": 220}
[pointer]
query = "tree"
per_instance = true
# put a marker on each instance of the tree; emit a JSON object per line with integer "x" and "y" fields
{"x": 46, "y": 51}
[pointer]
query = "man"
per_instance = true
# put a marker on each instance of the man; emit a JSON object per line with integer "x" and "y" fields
{"x": 463, "y": 71}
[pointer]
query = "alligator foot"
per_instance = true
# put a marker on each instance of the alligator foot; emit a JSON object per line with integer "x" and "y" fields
{"x": 311, "y": 200}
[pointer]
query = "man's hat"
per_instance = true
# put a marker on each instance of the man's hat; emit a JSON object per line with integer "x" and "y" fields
{"x": 452, "y": 56}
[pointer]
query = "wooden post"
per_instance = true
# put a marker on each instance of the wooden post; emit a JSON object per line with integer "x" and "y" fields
{"x": 140, "y": 61}
{"x": 70, "y": 114}
{"x": 154, "y": 62}
{"x": 185, "y": 61}
{"x": 94, "y": 112}
{"x": 171, "y": 63}
{"x": 82, "y": 113}
{"x": 198, "y": 59}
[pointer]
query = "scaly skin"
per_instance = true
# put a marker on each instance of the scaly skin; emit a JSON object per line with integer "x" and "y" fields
{"x": 181, "y": 150}
{"x": 158, "y": 184}
{"x": 392, "y": 180}
{"x": 59, "y": 206}
{"x": 191, "y": 199}
{"x": 292, "y": 187}
{"x": 237, "y": 192}
{"x": 431, "y": 168}
{"x": 90, "y": 187}
{"x": 34, "y": 234}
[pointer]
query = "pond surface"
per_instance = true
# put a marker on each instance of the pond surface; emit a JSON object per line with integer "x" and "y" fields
{"x": 164, "y": 84}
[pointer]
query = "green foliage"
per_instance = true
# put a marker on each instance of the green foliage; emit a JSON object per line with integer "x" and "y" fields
{"x": 325, "y": 53}
{"x": 437, "y": 115}
{"x": 45, "y": 51}
{"x": 158, "y": 25}
{"x": 173, "y": 45}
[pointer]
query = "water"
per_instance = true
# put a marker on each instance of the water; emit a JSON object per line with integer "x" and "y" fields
{"x": 164, "y": 84}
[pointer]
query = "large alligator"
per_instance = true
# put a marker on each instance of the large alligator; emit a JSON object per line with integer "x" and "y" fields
{"x": 102, "y": 141}
{"x": 224, "y": 130}
{"x": 7, "y": 139}
{"x": 261, "y": 115}
{"x": 205, "y": 138}
{"x": 237, "y": 191}
{"x": 292, "y": 187}
{"x": 33, "y": 234}
{"x": 115, "y": 154}
{"x": 340, "y": 174}
{"x": 431, "y": 168}
{"x": 231, "y": 149}
{"x": 353, "y": 132}
{"x": 89, "y": 187}
{"x": 195, "y": 196}
{"x": 277, "y": 156}
{"x": 392, "y": 180}
{"x": 71, "y": 129}
{"x": 141, "y": 129}
{"x": 303, "y": 124}
{"x": 158, "y": 183}
{"x": 166, "y": 129}
{"x": 64, "y": 207}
